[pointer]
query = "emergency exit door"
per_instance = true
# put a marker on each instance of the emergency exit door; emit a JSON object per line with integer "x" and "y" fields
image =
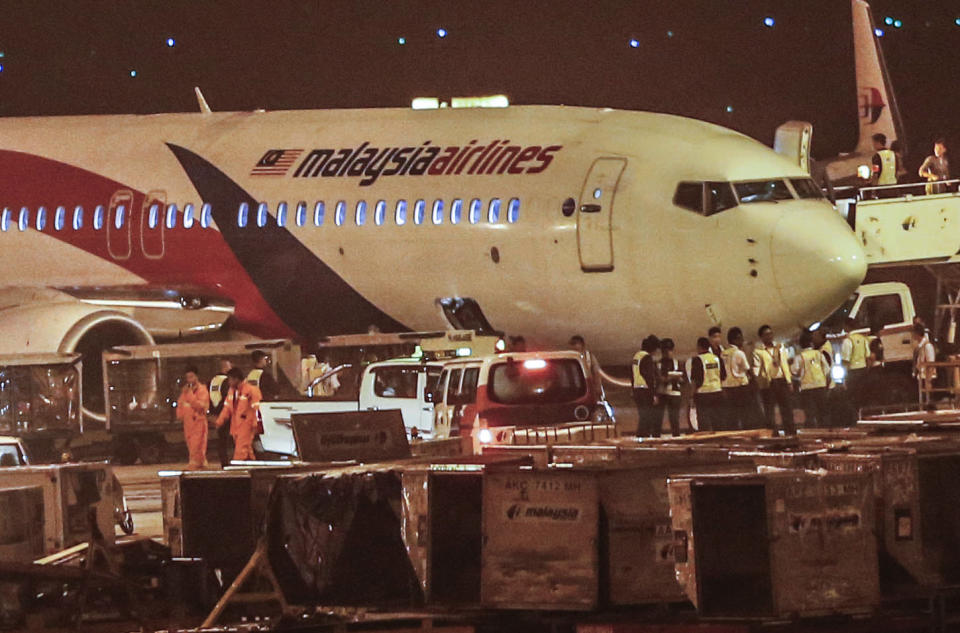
{"x": 595, "y": 213}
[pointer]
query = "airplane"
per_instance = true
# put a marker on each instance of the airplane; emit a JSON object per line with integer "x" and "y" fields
{"x": 543, "y": 220}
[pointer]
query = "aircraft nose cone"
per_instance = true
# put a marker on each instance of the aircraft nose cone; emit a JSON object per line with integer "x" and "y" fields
{"x": 817, "y": 262}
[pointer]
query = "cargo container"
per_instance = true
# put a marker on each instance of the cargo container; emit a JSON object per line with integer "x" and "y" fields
{"x": 777, "y": 545}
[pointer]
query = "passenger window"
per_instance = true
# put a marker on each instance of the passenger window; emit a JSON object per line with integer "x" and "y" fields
{"x": 361, "y": 213}
{"x": 60, "y": 219}
{"x": 396, "y": 382}
{"x": 438, "y": 211}
{"x": 98, "y": 218}
{"x": 171, "y": 216}
{"x": 513, "y": 211}
{"x": 318, "y": 213}
{"x": 340, "y": 214}
{"x": 419, "y": 210}
{"x": 120, "y": 217}
{"x": 493, "y": 211}
{"x": 188, "y": 218}
{"x": 282, "y": 214}
{"x": 153, "y": 217}
{"x": 5, "y": 220}
{"x": 380, "y": 213}
{"x": 242, "y": 215}
{"x": 41, "y": 218}
{"x": 476, "y": 209}
{"x": 689, "y": 195}
{"x": 880, "y": 311}
{"x": 456, "y": 211}
{"x": 401, "y": 212}
{"x": 262, "y": 212}
{"x": 301, "y": 213}
{"x": 24, "y": 221}
{"x": 453, "y": 386}
{"x": 206, "y": 215}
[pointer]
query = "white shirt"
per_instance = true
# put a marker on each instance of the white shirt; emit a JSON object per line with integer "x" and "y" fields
{"x": 925, "y": 353}
{"x": 739, "y": 366}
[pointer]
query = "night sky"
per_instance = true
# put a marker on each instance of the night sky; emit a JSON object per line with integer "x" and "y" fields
{"x": 690, "y": 57}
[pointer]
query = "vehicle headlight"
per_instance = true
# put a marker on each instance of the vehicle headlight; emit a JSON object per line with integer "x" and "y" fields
{"x": 485, "y": 436}
{"x": 838, "y": 373}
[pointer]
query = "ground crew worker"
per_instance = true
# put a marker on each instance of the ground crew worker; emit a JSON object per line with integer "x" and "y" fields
{"x": 923, "y": 353}
{"x": 645, "y": 388}
{"x": 192, "y": 408}
{"x": 936, "y": 168}
{"x": 884, "y": 171}
{"x": 218, "y": 393}
{"x": 578, "y": 345}
{"x": 240, "y": 408}
{"x": 670, "y": 381}
{"x": 706, "y": 374}
{"x": 261, "y": 378}
{"x": 772, "y": 368}
{"x": 716, "y": 340}
{"x": 809, "y": 367}
{"x": 853, "y": 356}
{"x": 741, "y": 396}
{"x": 842, "y": 412}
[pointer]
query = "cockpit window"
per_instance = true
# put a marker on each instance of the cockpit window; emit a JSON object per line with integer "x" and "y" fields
{"x": 762, "y": 191}
{"x": 689, "y": 195}
{"x": 806, "y": 188}
{"x": 719, "y": 197}
{"x": 705, "y": 198}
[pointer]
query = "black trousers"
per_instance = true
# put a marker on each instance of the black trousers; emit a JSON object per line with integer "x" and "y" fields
{"x": 710, "y": 411}
{"x": 778, "y": 396}
{"x": 815, "y": 407}
{"x": 649, "y": 415}
{"x": 743, "y": 409}
{"x": 224, "y": 444}
{"x": 672, "y": 406}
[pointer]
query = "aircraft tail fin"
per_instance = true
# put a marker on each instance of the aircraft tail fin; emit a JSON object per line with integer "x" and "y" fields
{"x": 877, "y": 106}
{"x": 204, "y": 107}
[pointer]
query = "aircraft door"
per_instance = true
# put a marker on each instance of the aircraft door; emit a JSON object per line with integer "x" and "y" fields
{"x": 595, "y": 213}
{"x": 118, "y": 224}
{"x": 152, "y": 224}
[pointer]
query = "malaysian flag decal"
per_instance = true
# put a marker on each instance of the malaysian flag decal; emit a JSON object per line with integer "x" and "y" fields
{"x": 276, "y": 162}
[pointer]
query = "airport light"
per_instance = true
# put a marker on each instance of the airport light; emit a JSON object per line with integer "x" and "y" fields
{"x": 897, "y": 24}
{"x": 535, "y": 363}
{"x": 729, "y": 109}
{"x": 669, "y": 33}
{"x": 634, "y": 43}
{"x": 769, "y": 21}
{"x": 401, "y": 41}
{"x": 490, "y": 101}
{"x": 441, "y": 33}
{"x": 171, "y": 42}
{"x": 888, "y": 21}
{"x": 133, "y": 73}
{"x": 878, "y": 32}
{"x": 485, "y": 436}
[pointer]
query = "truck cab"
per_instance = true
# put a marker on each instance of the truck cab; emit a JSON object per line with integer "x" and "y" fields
{"x": 887, "y": 307}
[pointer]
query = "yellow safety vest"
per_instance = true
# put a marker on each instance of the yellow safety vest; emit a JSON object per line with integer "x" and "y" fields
{"x": 731, "y": 380}
{"x": 216, "y": 383}
{"x": 812, "y": 376}
{"x": 639, "y": 382}
{"x": 711, "y": 373}
{"x": 254, "y": 377}
{"x": 888, "y": 167}
{"x": 769, "y": 370}
{"x": 860, "y": 349}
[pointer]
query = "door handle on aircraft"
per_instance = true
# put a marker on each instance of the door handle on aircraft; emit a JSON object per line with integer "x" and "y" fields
{"x": 589, "y": 208}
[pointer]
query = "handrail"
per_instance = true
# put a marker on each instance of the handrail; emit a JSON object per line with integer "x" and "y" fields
{"x": 953, "y": 184}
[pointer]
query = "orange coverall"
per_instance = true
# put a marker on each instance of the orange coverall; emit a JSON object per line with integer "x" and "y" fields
{"x": 240, "y": 407}
{"x": 192, "y": 409}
